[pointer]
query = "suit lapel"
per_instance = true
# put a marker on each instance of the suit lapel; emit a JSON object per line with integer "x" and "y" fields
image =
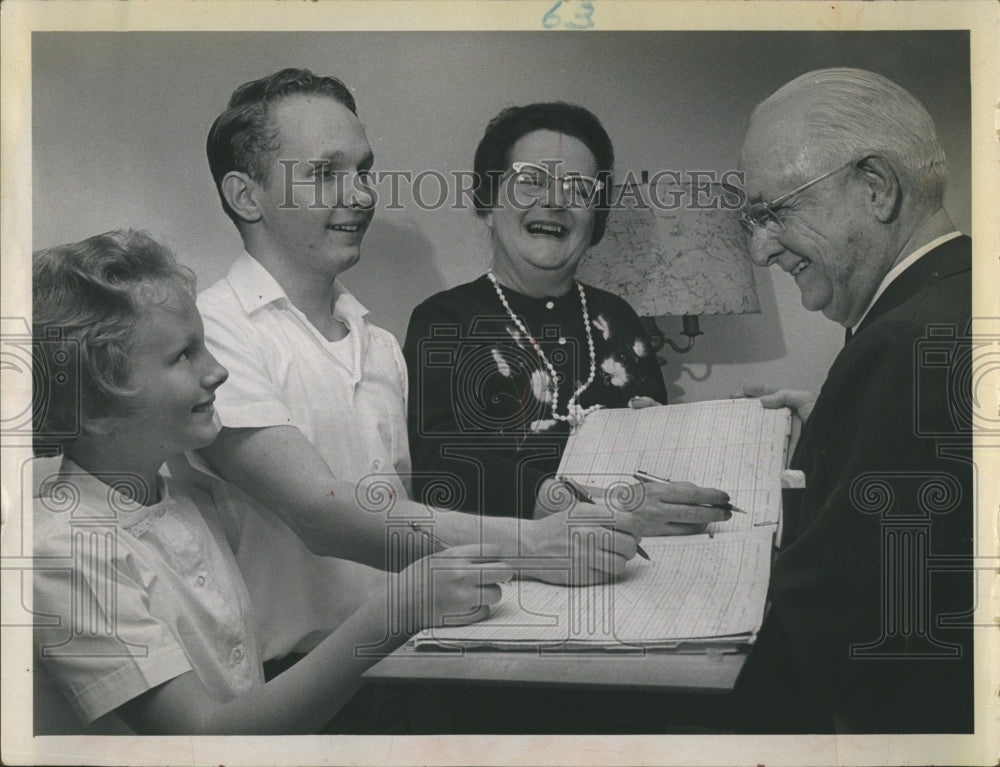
{"x": 945, "y": 260}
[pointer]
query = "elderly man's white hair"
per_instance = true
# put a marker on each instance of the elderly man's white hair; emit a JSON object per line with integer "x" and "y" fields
{"x": 853, "y": 112}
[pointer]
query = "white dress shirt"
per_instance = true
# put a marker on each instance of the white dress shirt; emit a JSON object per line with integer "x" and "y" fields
{"x": 348, "y": 399}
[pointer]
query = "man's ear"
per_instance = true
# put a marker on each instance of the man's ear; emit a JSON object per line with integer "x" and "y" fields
{"x": 885, "y": 194}
{"x": 238, "y": 189}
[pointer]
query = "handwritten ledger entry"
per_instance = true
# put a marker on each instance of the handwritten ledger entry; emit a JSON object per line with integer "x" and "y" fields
{"x": 695, "y": 591}
{"x": 734, "y": 445}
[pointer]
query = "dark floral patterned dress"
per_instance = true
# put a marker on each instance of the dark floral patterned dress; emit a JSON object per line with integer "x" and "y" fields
{"x": 482, "y": 434}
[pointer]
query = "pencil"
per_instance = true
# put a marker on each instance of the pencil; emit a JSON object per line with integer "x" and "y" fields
{"x": 645, "y": 476}
{"x": 582, "y": 495}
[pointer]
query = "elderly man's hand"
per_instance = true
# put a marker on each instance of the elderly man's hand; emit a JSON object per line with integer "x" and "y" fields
{"x": 799, "y": 401}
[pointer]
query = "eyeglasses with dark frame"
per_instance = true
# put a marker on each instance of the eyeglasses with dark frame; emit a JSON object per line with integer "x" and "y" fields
{"x": 762, "y": 214}
{"x": 535, "y": 180}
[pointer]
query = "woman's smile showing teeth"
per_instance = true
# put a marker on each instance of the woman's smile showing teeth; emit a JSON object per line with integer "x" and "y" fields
{"x": 796, "y": 270}
{"x": 546, "y": 228}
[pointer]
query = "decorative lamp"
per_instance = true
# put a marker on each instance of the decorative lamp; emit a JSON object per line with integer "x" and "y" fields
{"x": 674, "y": 249}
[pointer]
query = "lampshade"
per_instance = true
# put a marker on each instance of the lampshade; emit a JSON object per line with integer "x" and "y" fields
{"x": 674, "y": 249}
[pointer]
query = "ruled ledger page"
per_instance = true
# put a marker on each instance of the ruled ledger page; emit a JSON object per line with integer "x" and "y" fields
{"x": 696, "y": 590}
{"x": 733, "y": 445}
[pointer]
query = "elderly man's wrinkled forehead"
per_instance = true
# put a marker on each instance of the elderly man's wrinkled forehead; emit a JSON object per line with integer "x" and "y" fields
{"x": 779, "y": 143}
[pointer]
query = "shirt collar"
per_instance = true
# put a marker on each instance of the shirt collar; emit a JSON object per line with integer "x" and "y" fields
{"x": 107, "y": 500}
{"x": 255, "y": 287}
{"x": 901, "y": 267}
{"x": 345, "y": 305}
{"x": 253, "y": 284}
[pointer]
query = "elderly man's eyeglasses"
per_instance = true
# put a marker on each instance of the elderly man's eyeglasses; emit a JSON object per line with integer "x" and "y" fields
{"x": 760, "y": 215}
{"x": 533, "y": 181}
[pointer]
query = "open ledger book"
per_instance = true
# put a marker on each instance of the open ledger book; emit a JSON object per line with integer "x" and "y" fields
{"x": 696, "y": 591}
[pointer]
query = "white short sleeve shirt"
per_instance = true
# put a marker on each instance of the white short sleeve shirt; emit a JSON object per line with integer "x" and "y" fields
{"x": 347, "y": 398}
{"x": 282, "y": 371}
{"x": 135, "y": 595}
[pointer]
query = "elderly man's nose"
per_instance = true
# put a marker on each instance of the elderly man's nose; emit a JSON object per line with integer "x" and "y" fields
{"x": 764, "y": 248}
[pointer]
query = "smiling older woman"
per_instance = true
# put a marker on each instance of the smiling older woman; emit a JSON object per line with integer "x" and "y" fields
{"x": 502, "y": 368}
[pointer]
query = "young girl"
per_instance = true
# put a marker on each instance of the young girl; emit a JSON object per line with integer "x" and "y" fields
{"x": 155, "y": 623}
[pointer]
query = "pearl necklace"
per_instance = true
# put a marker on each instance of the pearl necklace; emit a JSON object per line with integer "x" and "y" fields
{"x": 574, "y": 413}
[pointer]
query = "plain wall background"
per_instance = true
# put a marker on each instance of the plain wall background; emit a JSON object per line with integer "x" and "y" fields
{"x": 120, "y": 119}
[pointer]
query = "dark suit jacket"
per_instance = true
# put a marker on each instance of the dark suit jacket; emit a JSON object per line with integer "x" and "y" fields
{"x": 858, "y": 589}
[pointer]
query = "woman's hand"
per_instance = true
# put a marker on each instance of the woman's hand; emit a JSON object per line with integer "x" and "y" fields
{"x": 669, "y": 508}
{"x": 453, "y": 587}
{"x": 638, "y": 403}
{"x": 655, "y": 508}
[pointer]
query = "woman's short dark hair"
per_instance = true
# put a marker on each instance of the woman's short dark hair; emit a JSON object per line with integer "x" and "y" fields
{"x": 243, "y": 137}
{"x": 504, "y": 130}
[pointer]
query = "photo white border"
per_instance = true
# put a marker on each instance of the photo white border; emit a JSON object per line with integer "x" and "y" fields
{"x": 19, "y": 18}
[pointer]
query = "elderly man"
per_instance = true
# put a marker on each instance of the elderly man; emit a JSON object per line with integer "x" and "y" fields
{"x": 845, "y": 180}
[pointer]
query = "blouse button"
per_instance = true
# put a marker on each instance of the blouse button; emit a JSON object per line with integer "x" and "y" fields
{"x": 237, "y": 655}
{"x": 549, "y": 304}
{"x": 200, "y": 581}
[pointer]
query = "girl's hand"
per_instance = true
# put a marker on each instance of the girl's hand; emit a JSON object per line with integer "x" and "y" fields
{"x": 453, "y": 587}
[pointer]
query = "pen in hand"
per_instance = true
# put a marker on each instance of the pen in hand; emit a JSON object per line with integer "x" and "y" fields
{"x": 645, "y": 476}
{"x": 583, "y": 496}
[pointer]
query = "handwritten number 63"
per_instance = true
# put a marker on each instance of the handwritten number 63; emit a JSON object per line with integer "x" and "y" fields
{"x": 580, "y": 20}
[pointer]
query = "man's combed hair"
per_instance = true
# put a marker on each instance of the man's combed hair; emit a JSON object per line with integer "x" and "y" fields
{"x": 88, "y": 299}
{"x": 854, "y": 111}
{"x": 243, "y": 138}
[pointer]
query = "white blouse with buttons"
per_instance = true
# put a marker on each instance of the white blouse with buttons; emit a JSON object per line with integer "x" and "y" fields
{"x": 162, "y": 576}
